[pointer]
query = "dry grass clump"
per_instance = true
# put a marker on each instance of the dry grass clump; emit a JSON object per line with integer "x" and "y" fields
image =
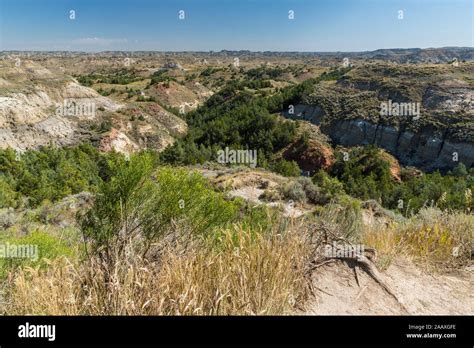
{"x": 440, "y": 236}
{"x": 386, "y": 239}
{"x": 433, "y": 237}
{"x": 244, "y": 274}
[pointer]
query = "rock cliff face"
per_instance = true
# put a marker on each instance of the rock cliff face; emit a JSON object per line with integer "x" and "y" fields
{"x": 428, "y": 149}
{"x": 440, "y": 137}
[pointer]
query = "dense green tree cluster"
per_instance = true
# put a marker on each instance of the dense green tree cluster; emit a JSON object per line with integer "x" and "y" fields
{"x": 160, "y": 76}
{"x": 236, "y": 118}
{"x": 49, "y": 173}
{"x": 239, "y": 119}
{"x": 264, "y": 72}
{"x": 209, "y": 71}
{"x": 258, "y": 84}
{"x": 451, "y": 191}
{"x": 120, "y": 77}
{"x": 365, "y": 174}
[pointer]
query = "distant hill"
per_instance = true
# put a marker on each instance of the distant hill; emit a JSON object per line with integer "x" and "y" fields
{"x": 397, "y": 55}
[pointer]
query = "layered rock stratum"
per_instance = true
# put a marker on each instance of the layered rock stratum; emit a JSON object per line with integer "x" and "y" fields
{"x": 440, "y": 137}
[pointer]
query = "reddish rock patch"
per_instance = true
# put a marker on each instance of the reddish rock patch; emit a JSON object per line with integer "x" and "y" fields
{"x": 311, "y": 155}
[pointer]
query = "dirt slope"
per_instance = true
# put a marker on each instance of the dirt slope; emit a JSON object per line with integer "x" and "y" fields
{"x": 419, "y": 293}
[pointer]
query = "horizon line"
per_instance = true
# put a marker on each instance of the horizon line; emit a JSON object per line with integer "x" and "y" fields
{"x": 241, "y": 50}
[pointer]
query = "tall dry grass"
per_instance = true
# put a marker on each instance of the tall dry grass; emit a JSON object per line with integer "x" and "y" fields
{"x": 246, "y": 274}
{"x": 432, "y": 237}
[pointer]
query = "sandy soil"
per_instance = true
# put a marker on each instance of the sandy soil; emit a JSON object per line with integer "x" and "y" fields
{"x": 418, "y": 292}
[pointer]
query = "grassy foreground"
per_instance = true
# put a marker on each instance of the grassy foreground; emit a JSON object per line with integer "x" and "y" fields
{"x": 164, "y": 242}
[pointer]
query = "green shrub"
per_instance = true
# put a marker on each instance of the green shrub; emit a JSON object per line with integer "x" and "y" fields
{"x": 270, "y": 195}
{"x": 344, "y": 217}
{"x": 44, "y": 247}
{"x": 8, "y": 196}
{"x": 294, "y": 191}
{"x": 460, "y": 170}
{"x": 132, "y": 204}
{"x": 7, "y": 218}
{"x": 313, "y": 192}
{"x": 286, "y": 168}
{"x": 330, "y": 188}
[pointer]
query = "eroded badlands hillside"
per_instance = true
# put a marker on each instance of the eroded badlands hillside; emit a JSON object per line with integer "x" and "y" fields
{"x": 141, "y": 99}
{"x": 437, "y": 136}
{"x": 39, "y": 106}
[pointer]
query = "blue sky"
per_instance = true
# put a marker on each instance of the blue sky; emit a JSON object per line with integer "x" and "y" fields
{"x": 257, "y": 25}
